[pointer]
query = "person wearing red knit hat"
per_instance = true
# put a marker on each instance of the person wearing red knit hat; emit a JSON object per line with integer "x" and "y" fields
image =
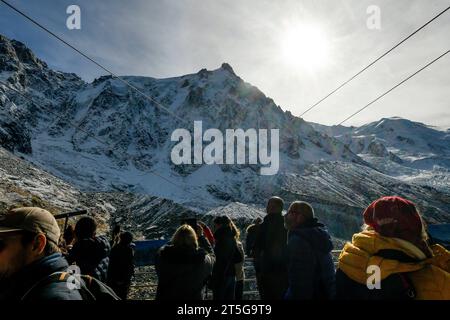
{"x": 396, "y": 217}
{"x": 394, "y": 243}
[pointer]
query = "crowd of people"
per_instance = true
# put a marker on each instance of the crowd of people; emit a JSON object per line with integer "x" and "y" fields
{"x": 292, "y": 257}
{"x": 391, "y": 258}
{"x": 35, "y": 264}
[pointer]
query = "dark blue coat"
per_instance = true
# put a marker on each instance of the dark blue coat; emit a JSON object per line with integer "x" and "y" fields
{"x": 21, "y": 282}
{"x": 310, "y": 267}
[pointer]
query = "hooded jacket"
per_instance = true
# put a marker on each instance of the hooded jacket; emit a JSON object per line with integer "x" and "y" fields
{"x": 310, "y": 264}
{"x": 429, "y": 276}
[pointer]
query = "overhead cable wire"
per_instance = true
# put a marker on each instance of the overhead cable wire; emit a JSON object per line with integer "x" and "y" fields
{"x": 373, "y": 62}
{"x": 394, "y": 87}
{"x": 157, "y": 103}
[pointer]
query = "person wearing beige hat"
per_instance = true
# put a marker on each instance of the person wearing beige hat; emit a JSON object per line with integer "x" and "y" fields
{"x": 29, "y": 254}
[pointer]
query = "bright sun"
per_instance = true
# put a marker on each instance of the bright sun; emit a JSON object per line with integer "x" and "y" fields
{"x": 306, "y": 47}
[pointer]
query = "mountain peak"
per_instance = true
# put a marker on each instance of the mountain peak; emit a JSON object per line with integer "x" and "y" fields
{"x": 225, "y": 70}
{"x": 397, "y": 122}
{"x": 227, "y": 67}
{"x": 18, "y": 51}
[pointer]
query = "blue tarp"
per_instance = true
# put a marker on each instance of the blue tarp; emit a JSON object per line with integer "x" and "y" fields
{"x": 144, "y": 251}
{"x": 440, "y": 233}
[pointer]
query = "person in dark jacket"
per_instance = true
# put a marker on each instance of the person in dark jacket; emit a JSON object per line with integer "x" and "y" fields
{"x": 182, "y": 267}
{"x": 29, "y": 254}
{"x": 250, "y": 241}
{"x": 227, "y": 253}
{"x": 252, "y": 232}
{"x": 90, "y": 253}
{"x": 121, "y": 265}
{"x": 270, "y": 252}
{"x": 310, "y": 264}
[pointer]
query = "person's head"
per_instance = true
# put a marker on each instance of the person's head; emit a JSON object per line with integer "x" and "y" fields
{"x": 218, "y": 222}
{"x": 396, "y": 217}
{"x": 69, "y": 234}
{"x": 85, "y": 228}
{"x": 275, "y": 205}
{"x": 26, "y": 235}
{"x": 185, "y": 237}
{"x": 126, "y": 238}
{"x": 221, "y": 221}
{"x": 299, "y": 212}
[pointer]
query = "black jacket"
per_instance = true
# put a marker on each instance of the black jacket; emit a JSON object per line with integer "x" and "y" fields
{"x": 182, "y": 273}
{"x": 252, "y": 233}
{"x": 310, "y": 267}
{"x": 227, "y": 254}
{"x": 20, "y": 283}
{"x": 121, "y": 264}
{"x": 92, "y": 256}
{"x": 271, "y": 244}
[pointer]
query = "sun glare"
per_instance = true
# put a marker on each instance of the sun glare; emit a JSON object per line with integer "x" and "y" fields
{"x": 306, "y": 47}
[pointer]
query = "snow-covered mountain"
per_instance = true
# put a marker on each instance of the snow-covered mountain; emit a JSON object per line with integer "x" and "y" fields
{"x": 410, "y": 151}
{"x": 105, "y": 137}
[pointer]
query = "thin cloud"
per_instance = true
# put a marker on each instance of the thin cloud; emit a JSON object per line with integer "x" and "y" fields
{"x": 170, "y": 38}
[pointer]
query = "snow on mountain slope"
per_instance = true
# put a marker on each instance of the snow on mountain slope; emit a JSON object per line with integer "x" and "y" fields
{"x": 23, "y": 184}
{"x": 407, "y": 150}
{"x": 411, "y": 141}
{"x": 331, "y": 131}
{"x": 339, "y": 192}
{"x": 130, "y": 151}
{"x": 137, "y": 134}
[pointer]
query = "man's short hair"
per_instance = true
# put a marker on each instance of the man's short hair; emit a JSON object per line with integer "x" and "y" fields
{"x": 50, "y": 247}
{"x": 276, "y": 205}
{"x": 126, "y": 238}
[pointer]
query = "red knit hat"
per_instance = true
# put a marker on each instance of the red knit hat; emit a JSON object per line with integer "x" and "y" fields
{"x": 395, "y": 217}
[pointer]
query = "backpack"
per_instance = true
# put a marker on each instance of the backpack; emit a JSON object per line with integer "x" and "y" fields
{"x": 89, "y": 287}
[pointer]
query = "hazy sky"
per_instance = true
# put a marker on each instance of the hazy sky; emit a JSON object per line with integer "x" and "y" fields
{"x": 266, "y": 44}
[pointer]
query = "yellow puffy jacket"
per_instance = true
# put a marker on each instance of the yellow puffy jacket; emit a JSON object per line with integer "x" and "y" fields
{"x": 430, "y": 277}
